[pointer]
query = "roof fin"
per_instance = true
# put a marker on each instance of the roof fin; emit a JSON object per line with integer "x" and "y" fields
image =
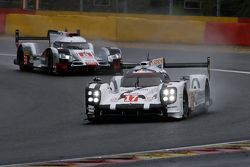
{"x": 148, "y": 59}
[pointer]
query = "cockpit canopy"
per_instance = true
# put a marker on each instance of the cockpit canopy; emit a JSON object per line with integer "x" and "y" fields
{"x": 143, "y": 79}
{"x": 71, "y": 45}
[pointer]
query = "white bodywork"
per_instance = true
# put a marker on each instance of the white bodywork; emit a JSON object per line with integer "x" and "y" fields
{"x": 111, "y": 93}
{"x": 64, "y": 47}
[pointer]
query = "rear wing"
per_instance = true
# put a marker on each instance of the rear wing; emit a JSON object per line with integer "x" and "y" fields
{"x": 18, "y": 37}
{"x": 191, "y": 65}
{"x": 129, "y": 65}
{"x": 172, "y": 65}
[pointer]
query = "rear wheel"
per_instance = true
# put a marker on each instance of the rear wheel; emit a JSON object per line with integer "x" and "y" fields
{"x": 116, "y": 67}
{"x": 23, "y": 64}
{"x": 207, "y": 97}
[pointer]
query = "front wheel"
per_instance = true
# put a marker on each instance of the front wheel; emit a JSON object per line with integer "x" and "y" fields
{"x": 50, "y": 63}
{"x": 186, "y": 111}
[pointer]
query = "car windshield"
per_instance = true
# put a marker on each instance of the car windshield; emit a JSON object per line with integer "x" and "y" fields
{"x": 72, "y": 45}
{"x": 140, "y": 81}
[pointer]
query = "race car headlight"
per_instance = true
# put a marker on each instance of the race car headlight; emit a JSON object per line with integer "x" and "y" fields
{"x": 96, "y": 93}
{"x": 90, "y": 93}
{"x": 63, "y": 56}
{"x": 169, "y": 95}
{"x": 96, "y": 100}
{"x": 111, "y": 58}
{"x": 171, "y": 98}
{"x": 93, "y": 96}
{"x": 90, "y": 99}
{"x": 165, "y": 98}
{"x": 166, "y": 92}
{"x": 67, "y": 56}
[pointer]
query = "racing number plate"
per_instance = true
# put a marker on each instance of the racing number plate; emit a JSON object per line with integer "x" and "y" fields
{"x": 85, "y": 55}
{"x": 131, "y": 98}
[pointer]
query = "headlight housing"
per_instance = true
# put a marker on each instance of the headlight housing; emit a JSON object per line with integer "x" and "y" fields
{"x": 64, "y": 56}
{"x": 93, "y": 96}
{"x": 168, "y": 95}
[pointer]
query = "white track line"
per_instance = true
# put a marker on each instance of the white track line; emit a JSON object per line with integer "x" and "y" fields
{"x": 231, "y": 71}
{"x": 129, "y": 153}
{"x": 5, "y": 54}
{"x": 215, "y": 70}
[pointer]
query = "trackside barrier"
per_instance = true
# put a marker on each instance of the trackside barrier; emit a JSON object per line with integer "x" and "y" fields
{"x": 133, "y": 27}
{"x": 143, "y": 16}
{"x": 37, "y": 25}
{"x": 6, "y": 11}
{"x": 2, "y": 23}
{"x": 169, "y": 31}
{"x": 227, "y": 34}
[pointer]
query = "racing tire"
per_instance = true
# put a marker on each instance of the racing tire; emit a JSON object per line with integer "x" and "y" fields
{"x": 207, "y": 97}
{"x": 186, "y": 110}
{"x": 116, "y": 67}
{"x": 50, "y": 63}
{"x": 22, "y": 66}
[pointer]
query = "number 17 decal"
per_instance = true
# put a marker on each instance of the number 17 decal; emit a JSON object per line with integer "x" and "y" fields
{"x": 131, "y": 98}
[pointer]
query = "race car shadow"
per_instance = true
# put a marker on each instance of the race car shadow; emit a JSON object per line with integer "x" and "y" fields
{"x": 128, "y": 120}
{"x": 149, "y": 119}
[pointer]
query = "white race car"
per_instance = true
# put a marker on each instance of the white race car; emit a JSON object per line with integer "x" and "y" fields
{"x": 65, "y": 52}
{"x": 147, "y": 90}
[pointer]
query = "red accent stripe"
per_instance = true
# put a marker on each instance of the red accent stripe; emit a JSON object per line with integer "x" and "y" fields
{"x": 91, "y": 63}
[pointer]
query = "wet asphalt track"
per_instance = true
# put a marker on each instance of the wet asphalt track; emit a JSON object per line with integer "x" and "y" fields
{"x": 40, "y": 115}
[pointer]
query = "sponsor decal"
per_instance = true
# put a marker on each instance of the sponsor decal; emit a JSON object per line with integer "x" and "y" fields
{"x": 131, "y": 98}
{"x": 85, "y": 55}
{"x": 25, "y": 57}
{"x": 195, "y": 84}
{"x": 158, "y": 62}
{"x": 91, "y": 63}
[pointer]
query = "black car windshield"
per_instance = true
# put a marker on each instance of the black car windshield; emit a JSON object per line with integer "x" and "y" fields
{"x": 140, "y": 81}
{"x": 71, "y": 45}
